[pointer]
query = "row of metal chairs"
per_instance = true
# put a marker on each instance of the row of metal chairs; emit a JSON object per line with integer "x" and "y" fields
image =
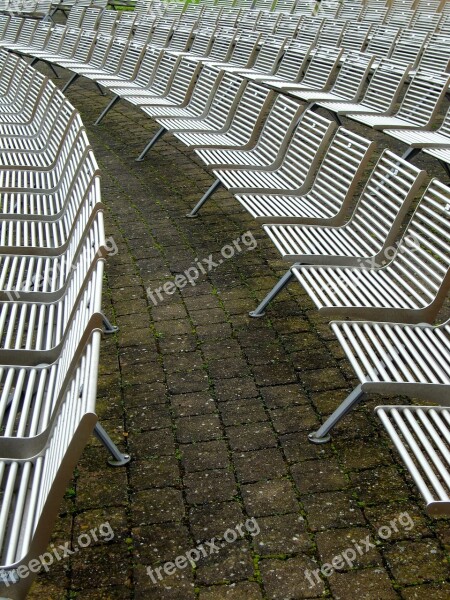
{"x": 332, "y": 255}
{"x": 52, "y": 253}
{"x": 405, "y": 45}
{"x": 261, "y": 20}
{"x": 415, "y": 49}
{"x": 35, "y": 8}
{"x": 266, "y": 23}
{"x": 114, "y": 61}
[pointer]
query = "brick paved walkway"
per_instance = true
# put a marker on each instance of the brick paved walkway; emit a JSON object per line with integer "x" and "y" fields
{"x": 215, "y": 407}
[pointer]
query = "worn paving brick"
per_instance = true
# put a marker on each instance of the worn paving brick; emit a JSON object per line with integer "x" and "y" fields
{"x": 286, "y": 578}
{"x": 332, "y": 509}
{"x": 282, "y": 534}
{"x": 235, "y": 591}
{"x": 259, "y": 464}
{"x": 269, "y": 497}
{"x": 318, "y": 476}
{"x": 209, "y": 486}
{"x": 414, "y": 562}
{"x": 213, "y": 519}
{"x": 368, "y": 584}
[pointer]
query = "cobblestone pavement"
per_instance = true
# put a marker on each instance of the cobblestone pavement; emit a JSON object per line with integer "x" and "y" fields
{"x": 214, "y": 408}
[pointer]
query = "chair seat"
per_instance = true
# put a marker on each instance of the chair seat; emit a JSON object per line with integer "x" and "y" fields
{"x": 420, "y": 139}
{"x": 421, "y": 436}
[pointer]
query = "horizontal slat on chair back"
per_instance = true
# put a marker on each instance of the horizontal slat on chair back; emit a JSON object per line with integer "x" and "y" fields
{"x": 385, "y": 86}
{"x": 422, "y": 98}
{"x": 345, "y": 158}
{"x": 423, "y": 257}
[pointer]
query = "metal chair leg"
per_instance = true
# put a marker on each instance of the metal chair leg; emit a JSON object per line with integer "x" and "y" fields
{"x": 109, "y": 328}
{"x": 193, "y": 214}
{"x": 260, "y": 310}
{"x": 411, "y": 153}
{"x": 69, "y": 83}
{"x": 159, "y": 134}
{"x": 118, "y": 458}
{"x": 107, "y": 109}
{"x": 100, "y": 89}
{"x": 321, "y": 436}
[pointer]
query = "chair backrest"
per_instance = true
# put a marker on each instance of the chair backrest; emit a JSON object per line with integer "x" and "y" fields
{"x": 13, "y": 29}
{"x": 131, "y": 60}
{"x": 267, "y": 23}
{"x": 141, "y": 8}
{"x": 228, "y": 17}
{"x": 226, "y": 96}
{"x": 185, "y": 75}
{"x": 409, "y": 46}
{"x": 91, "y": 18}
{"x": 355, "y": 36}
{"x": 143, "y": 30}
{"x": 100, "y": 52}
{"x": 265, "y": 5}
{"x": 382, "y": 40}
{"x": 293, "y": 62}
{"x": 163, "y": 72}
{"x": 204, "y": 90}
{"x": 244, "y": 49}
{"x": 181, "y": 38}
{"x": 209, "y": 17}
{"x": 444, "y": 129}
{"x": 115, "y": 55}
{"x": 331, "y": 32}
{"x": 288, "y": 25}
{"x": 385, "y": 86}
{"x": 125, "y": 24}
{"x": 85, "y": 46}
{"x": 71, "y": 40}
{"x": 222, "y": 45}
{"x": 75, "y": 16}
{"x": 162, "y": 33}
{"x": 11, "y": 67}
{"x": 55, "y": 40}
{"x": 309, "y": 30}
{"x": 4, "y": 20}
{"x": 41, "y": 34}
{"x": 304, "y": 7}
{"x": 436, "y": 55}
{"x": 384, "y": 203}
{"x": 202, "y": 42}
{"x": 249, "y": 110}
{"x": 285, "y": 6}
{"x": 352, "y": 75}
{"x": 329, "y": 9}
{"x": 107, "y": 23}
{"x": 248, "y": 19}
{"x": 306, "y": 148}
{"x": 26, "y": 32}
{"x": 423, "y": 254}
{"x": 269, "y": 54}
{"x": 350, "y": 11}
{"x": 423, "y": 98}
{"x": 340, "y": 171}
{"x": 429, "y": 6}
{"x": 373, "y": 14}
{"x": 424, "y": 21}
{"x": 148, "y": 66}
{"x": 322, "y": 67}
{"x": 399, "y": 18}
